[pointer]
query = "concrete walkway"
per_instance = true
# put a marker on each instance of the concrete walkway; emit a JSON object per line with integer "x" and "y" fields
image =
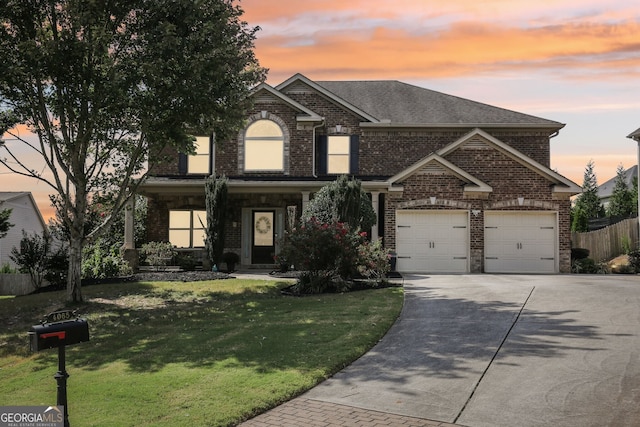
{"x": 492, "y": 350}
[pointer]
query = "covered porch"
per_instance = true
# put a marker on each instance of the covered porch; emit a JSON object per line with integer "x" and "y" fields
{"x": 258, "y": 214}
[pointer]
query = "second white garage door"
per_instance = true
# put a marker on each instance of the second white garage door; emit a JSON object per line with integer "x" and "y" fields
{"x": 431, "y": 241}
{"x": 520, "y": 242}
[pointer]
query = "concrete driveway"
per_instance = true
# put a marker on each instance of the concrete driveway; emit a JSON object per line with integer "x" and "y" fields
{"x": 505, "y": 350}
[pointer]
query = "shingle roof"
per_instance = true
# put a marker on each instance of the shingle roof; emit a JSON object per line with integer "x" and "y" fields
{"x": 405, "y": 104}
{"x": 5, "y": 196}
{"x": 606, "y": 190}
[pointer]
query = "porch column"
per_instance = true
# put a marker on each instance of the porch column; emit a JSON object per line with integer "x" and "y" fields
{"x": 375, "y": 202}
{"x": 129, "y": 210}
{"x": 305, "y": 199}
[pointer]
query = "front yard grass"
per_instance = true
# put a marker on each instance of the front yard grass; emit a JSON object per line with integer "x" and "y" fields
{"x": 189, "y": 354}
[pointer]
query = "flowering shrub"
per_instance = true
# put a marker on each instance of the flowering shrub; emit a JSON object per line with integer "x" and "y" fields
{"x": 331, "y": 255}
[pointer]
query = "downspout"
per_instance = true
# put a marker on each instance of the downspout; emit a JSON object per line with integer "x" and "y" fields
{"x": 313, "y": 148}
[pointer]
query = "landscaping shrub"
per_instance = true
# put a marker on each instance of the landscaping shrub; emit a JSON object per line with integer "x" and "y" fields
{"x": 230, "y": 259}
{"x": 587, "y": 266}
{"x": 186, "y": 261}
{"x": 101, "y": 261}
{"x": 7, "y": 269}
{"x": 158, "y": 254}
{"x": 579, "y": 253}
{"x": 331, "y": 255}
{"x": 37, "y": 258}
{"x": 634, "y": 261}
{"x": 58, "y": 268}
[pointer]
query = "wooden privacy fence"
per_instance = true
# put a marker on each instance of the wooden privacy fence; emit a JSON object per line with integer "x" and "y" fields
{"x": 608, "y": 242}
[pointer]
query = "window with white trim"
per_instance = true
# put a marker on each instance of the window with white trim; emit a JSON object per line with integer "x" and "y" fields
{"x": 187, "y": 228}
{"x": 264, "y": 147}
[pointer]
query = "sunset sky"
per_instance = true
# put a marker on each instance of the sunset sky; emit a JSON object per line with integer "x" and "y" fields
{"x": 572, "y": 61}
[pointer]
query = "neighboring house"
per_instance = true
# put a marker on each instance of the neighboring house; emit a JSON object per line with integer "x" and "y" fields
{"x": 458, "y": 186}
{"x": 605, "y": 191}
{"x": 25, "y": 215}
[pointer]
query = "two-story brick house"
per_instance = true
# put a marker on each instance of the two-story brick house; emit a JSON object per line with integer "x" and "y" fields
{"x": 458, "y": 186}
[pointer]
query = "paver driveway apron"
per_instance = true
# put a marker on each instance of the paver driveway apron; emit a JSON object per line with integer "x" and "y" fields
{"x": 505, "y": 350}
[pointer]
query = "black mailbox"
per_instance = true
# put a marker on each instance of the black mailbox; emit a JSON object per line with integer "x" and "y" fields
{"x": 52, "y": 335}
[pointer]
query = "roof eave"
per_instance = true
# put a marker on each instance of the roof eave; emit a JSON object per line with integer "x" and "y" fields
{"x": 395, "y": 125}
{"x": 635, "y": 135}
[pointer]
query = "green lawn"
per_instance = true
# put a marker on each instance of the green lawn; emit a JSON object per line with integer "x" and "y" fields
{"x": 189, "y": 354}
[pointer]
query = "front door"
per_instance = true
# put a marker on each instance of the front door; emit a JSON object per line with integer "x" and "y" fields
{"x": 263, "y": 245}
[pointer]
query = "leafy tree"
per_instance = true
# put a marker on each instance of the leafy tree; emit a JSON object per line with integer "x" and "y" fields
{"x": 39, "y": 258}
{"x": 97, "y": 210}
{"x": 342, "y": 200}
{"x": 216, "y": 205}
{"x": 109, "y": 87}
{"x": 5, "y": 225}
{"x": 622, "y": 200}
{"x": 588, "y": 203}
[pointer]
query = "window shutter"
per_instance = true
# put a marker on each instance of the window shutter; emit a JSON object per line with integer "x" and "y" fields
{"x": 182, "y": 164}
{"x": 321, "y": 153}
{"x": 354, "y": 145}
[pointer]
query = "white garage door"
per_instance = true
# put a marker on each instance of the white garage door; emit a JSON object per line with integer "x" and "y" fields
{"x": 520, "y": 242}
{"x": 432, "y": 241}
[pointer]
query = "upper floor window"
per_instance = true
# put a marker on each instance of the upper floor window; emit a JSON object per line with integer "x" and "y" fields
{"x": 200, "y": 161}
{"x": 338, "y": 154}
{"x": 338, "y": 148}
{"x": 186, "y": 228}
{"x": 264, "y": 147}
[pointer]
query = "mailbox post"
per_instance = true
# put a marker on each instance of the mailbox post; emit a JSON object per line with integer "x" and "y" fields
{"x": 59, "y": 329}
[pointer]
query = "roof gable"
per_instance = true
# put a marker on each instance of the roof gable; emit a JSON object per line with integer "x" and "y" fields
{"x": 15, "y": 197}
{"x": 295, "y": 82}
{"x": 265, "y": 93}
{"x": 479, "y": 138}
{"x": 434, "y": 164}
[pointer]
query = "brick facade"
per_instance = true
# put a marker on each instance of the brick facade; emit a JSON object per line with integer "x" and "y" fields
{"x": 517, "y": 184}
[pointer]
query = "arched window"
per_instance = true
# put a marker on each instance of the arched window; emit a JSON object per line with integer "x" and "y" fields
{"x": 263, "y": 147}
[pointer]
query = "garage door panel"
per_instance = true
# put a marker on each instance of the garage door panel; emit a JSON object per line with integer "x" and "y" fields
{"x": 432, "y": 241}
{"x": 520, "y": 242}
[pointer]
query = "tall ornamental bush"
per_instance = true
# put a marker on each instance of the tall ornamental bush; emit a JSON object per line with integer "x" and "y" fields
{"x": 342, "y": 200}
{"x": 216, "y": 206}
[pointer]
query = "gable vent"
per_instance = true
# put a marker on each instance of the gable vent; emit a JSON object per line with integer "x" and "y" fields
{"x": 432, "y": 168}
{"x": 476, "y": 143}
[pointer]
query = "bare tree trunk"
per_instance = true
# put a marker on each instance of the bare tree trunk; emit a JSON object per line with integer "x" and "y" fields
{"x": 76, "y": 243}
{"x": 74, "y": 279}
